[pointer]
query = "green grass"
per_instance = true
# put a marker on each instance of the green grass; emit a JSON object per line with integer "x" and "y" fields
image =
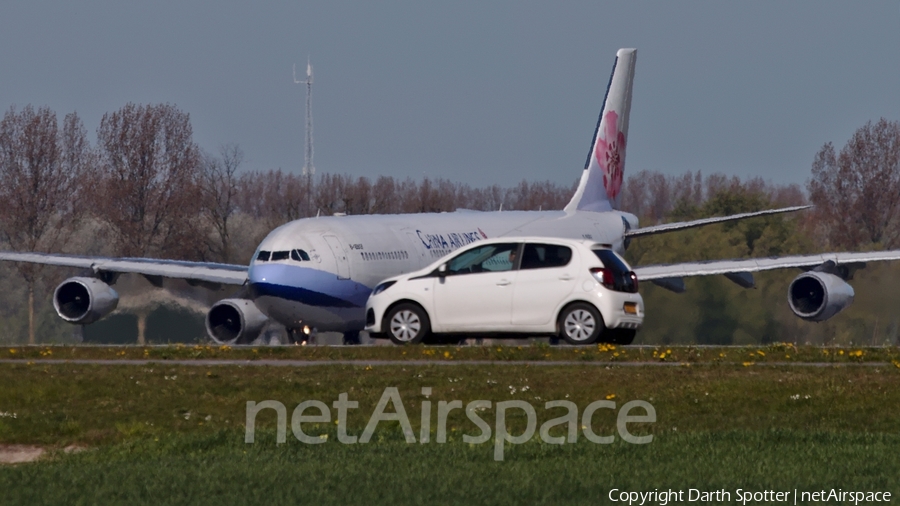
{"x": 770, "y": 353}
{"x": 176, "y": 433}
{"x": 220, "y": 469}
{"x": 62, "y": 404}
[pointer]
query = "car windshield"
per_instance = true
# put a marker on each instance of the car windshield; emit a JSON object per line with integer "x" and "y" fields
{"x": 489, "y": 258}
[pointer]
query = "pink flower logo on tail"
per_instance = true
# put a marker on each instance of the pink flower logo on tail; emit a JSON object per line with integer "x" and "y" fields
{"x": 610, "y": 154}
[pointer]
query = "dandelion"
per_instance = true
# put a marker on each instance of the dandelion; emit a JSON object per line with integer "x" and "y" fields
{"x": 610, "y": 397}
{"x": 721, "y": 355}
{"x": 12, "y": 352}
{"x": 446, "y": 354}
{"x": 323, "y": 437}
{"x": 761, "y": 353}
{"x": 748, "y": 364}
{"x": 616, "y": 354}
{"x": 841, "y": 352}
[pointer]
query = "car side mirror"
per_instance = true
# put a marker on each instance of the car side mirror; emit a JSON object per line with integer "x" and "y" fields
{"x": 442, "y": 270}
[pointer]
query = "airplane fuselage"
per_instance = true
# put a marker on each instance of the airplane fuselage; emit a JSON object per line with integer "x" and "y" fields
{"x": 321, "y": 270}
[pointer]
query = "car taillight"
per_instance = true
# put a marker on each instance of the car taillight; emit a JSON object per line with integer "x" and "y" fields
{"x": 634, "y": 279}
{"x": 604, "y": 276}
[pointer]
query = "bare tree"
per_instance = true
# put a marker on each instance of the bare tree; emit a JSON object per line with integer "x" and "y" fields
{"x": 41, "y": 170}
{"x": 220, "y": 187}
{"x": 385, "y": 196}
{"x": 857, "y": 192}
{"x": 148, "y": 188}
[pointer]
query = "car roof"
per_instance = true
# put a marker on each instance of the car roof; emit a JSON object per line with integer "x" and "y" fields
{"x": 543, "y": 239}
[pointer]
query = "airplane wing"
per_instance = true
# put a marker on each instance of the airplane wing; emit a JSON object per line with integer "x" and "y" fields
{"x": 670, "y": 227}
{"x": 713, "y": 267}
{"x": 197, "y": 271}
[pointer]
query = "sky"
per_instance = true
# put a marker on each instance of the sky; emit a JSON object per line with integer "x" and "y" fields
{"x": 479, "y": 92}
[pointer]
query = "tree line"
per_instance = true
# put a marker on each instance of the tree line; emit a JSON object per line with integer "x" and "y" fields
{"x": 144, "y": 188}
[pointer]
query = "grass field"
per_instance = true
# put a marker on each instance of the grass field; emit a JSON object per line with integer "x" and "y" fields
{"x": 219, "y": 469}
{"x": 745, "y": 355}
{"x": 176, "y": 432}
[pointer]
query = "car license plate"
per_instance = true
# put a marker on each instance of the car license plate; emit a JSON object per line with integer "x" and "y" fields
{"x": 631, "y": 307}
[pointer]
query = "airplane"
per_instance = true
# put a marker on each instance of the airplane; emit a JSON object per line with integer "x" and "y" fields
{"x": 315, "y": 274}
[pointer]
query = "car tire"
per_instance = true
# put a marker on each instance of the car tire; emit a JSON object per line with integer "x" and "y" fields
{"x": 620, "y": 336}
{"x": 407, "y": 324}
{"x": 580, "y": 324}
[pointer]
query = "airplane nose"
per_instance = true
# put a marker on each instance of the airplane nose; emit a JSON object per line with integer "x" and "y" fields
{"x": 260, "y": 274}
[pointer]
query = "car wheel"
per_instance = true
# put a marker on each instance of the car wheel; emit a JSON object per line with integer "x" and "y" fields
{"x": 407, "y": 324}
{"x": 621, "y": 336}
{"x": 580, "y": 323}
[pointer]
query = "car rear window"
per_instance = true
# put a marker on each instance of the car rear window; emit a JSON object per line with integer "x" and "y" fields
{"x": 621, "y": 272}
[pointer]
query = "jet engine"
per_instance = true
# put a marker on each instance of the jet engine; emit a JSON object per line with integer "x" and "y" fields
{"x": 817, "y": 296}
{"x": 234, "y": 321}
{"x": 84, "y": 300}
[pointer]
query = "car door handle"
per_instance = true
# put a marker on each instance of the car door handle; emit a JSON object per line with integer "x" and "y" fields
{"x": 502, "y": 282}
{"x": 567, "y": 277}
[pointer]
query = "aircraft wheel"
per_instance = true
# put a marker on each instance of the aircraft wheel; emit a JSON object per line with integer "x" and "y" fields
{"x": 407, "y": 324}
{"x": 580, "y": 323}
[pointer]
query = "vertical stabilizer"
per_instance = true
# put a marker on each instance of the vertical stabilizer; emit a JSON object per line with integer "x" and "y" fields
{"x": 601, "y": 181}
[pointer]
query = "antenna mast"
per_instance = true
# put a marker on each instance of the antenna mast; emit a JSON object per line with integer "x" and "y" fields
{"x": 308, "y": 168}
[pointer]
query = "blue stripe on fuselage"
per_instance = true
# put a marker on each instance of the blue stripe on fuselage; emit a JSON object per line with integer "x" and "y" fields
{"x": 306, "y": 285}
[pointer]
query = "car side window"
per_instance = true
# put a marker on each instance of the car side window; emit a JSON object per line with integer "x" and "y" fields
{"x": 488, "y": 258}
{"x": 540, "y": 256}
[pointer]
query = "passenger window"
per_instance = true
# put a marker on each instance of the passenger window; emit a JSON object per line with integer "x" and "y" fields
{"x": 539, "y": 256}
{"x": 490, "y": 258}
{"x": 299, "y": 255}
{"x": 280, "y": 255}
{"x": 263, "y": 256}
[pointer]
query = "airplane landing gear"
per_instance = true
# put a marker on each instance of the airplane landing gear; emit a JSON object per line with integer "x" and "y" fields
{"x": 302, "y": 337}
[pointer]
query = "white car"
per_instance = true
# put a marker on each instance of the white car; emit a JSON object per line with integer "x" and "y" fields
{"x": 577, "y": 289}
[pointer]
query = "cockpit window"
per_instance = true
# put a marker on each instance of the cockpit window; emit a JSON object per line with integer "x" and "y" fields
{"x": 300, "y": 255}
{"x": 280, "y": 255}
{"x": 263, "y": 256}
